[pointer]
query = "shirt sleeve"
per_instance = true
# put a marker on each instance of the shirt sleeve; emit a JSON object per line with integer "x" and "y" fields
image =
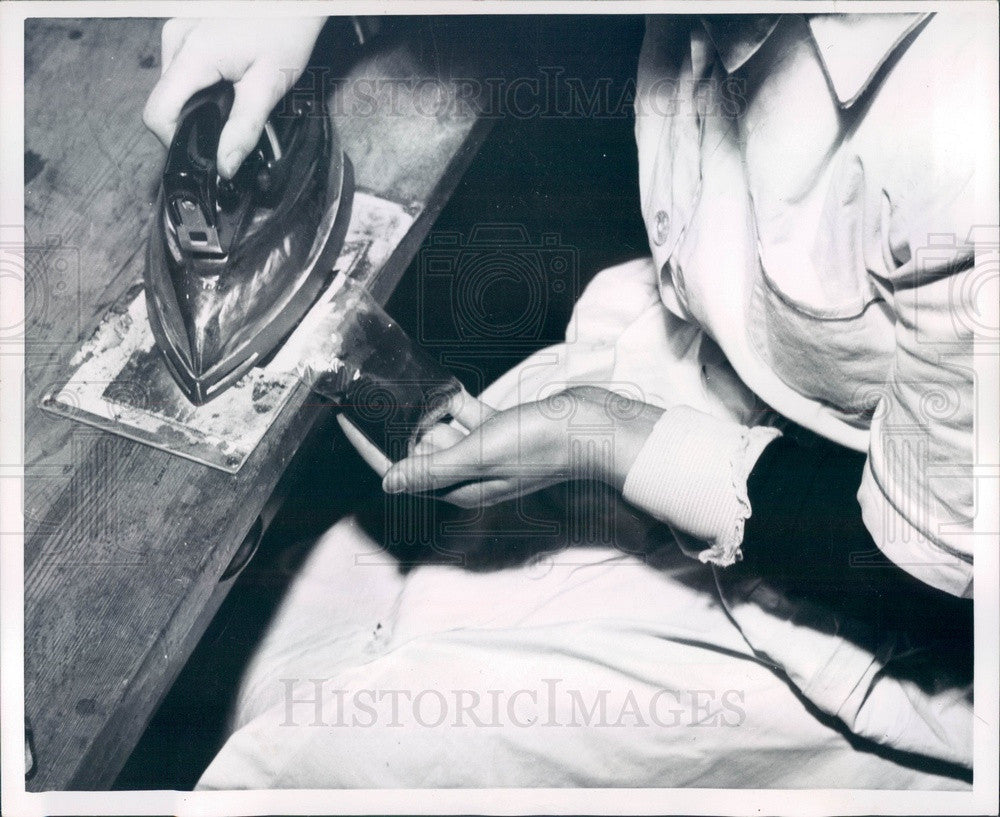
{"x": 918, "y": 489}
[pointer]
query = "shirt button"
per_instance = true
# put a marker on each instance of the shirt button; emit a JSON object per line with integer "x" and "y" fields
{"x": 660, "y": 227}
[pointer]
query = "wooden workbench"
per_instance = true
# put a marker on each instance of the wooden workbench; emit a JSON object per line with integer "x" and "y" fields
{"x": 124, "y": 544}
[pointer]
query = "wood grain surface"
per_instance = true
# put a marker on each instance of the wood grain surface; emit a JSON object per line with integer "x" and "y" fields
{"x": 125, "y": 544}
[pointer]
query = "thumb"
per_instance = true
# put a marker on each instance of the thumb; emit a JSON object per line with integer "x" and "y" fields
{"x": 369, "y": 452}
{"x": 256, "y": 94}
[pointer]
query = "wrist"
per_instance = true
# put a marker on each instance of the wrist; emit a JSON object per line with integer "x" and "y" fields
{"x": 630, "y": 421}
{"x": 630, "y": 439}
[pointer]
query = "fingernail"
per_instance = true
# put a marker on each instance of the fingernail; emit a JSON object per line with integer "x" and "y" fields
{"x": 230, "y": 164}
{"x": 393, "y": 482}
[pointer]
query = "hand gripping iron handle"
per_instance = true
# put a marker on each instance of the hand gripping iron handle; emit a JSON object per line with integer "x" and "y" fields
{"x": 203, "y": 207}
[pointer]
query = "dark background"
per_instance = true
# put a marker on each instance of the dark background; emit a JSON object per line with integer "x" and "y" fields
{"x": 568, "y": 183}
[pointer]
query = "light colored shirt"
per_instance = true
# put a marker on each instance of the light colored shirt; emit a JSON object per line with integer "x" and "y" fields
{"x": 812, "y": 187}
{"x": 815, "y": 189}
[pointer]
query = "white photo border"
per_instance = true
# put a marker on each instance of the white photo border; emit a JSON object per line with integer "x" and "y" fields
{"x": 16, "y": 801}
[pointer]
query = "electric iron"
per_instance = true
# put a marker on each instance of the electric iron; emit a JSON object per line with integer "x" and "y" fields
{"x": 233, "y": 266}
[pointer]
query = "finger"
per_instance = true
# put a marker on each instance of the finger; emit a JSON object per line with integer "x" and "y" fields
{"x": 494, "y": 491}
{"x": 172, "y": 38}
{"x": 430, "y": 472}
{"x": 177, "y": 85}
{"x": 469, "y": 411}
{"x": 462, "y": 462}
{"x": 483, "y": 494}
{"x": 440, "y": 436}
{"x": 369, "y": 452}
{"x": 257, "y": 92}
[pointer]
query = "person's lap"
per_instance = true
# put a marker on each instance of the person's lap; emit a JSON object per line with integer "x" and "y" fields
{"x": 588, "y": 667}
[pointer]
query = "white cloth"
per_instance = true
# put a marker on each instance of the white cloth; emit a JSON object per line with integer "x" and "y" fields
{"x": 810, "y": 185}
{"x": 608, "y": 662}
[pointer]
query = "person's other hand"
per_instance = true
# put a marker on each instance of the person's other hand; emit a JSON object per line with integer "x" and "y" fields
{"x": 580, "y": 433}
{"x": 262, "y": 58}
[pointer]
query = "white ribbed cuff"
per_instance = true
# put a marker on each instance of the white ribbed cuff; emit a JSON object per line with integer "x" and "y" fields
{"x": 692, "y": 474}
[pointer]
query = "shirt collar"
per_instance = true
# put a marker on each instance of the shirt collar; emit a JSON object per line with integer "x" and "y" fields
{"x": 851, "y": 47}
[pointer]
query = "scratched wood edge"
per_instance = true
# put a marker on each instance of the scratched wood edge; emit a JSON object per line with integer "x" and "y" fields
{"x": 108, "y": 750}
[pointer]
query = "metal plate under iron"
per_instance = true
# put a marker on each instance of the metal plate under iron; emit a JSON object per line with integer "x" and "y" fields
{"x": 118, "y": 381}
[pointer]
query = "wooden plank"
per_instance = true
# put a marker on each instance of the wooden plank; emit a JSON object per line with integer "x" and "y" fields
{"x": 124, "y": 543}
